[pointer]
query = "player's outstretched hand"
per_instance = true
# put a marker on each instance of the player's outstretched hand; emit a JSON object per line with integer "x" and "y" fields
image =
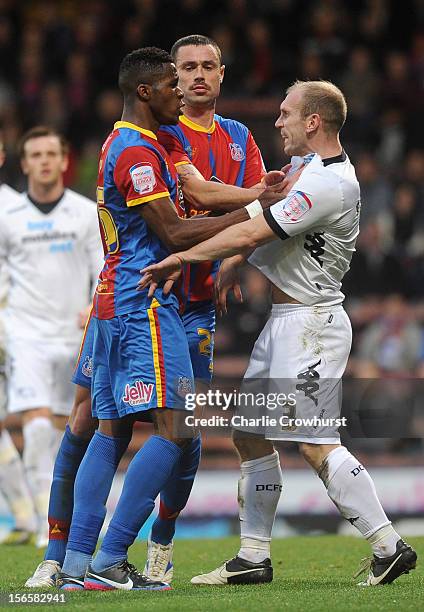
{"x": 167, "y": 270}
{"x": 274, "y": 178}
{"x": 83, "y": 316}
{"x": 275, "y": 183}
{"x": 226, "y": 279}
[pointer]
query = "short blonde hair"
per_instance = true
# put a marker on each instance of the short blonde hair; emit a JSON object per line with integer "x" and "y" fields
{"x": 324, "y": 99}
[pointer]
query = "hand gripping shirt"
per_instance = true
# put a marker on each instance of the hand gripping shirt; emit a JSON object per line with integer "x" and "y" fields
{"x": 227, "y": 153}
{"x": 317, "y": 223}
{"x": 133, "y": 169}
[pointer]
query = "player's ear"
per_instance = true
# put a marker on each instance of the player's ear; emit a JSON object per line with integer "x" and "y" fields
{"x": 24, "y": 165}
{"x": 144, "y": 92}
{"x": 221, "y": 73}
{"x": 313, "y": 122}
{"x": 65, "y": 163}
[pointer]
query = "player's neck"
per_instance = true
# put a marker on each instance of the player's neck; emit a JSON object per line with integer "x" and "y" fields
{"x": 143, "y": 120}
{"x": 45, "y": 194}
{"x": 201, "y": 116}
{"x": 326, "y": 147}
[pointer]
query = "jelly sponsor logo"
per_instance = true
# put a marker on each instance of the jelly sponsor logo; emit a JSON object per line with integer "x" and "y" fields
{"x": 138, "y": 393}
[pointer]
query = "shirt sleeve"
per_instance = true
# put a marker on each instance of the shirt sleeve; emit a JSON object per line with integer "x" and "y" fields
{"x": 138, "y": 176}
{"x": 94, "y": 244}
{"x": 174, "y": 147}
{"x": 314, "y": 199}
{"x": 3, "y": 242}
{"x": 255, "y": 168}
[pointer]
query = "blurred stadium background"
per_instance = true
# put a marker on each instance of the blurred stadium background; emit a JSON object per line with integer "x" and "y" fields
{"x": 59, "y": 61}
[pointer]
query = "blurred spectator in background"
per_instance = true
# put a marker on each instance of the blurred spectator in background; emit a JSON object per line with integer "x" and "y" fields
{"x": 376, "y": 190}
{"x": 260, "y": 71}
{"x": 374, "y": 269}
{"x": 392, "y": 344}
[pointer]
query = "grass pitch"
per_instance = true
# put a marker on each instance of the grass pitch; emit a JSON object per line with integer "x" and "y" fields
{"x": 310, "y": 573}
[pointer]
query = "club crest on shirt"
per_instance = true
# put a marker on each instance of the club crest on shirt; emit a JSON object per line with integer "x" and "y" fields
{"x": 296, "y": 206}
{"x": 191, "y": 151}
{"x": 143, "y": 177}
{"x": 184, "y": 386}
{"x": 236, "y": 151}
{"x": 87, "y": 367}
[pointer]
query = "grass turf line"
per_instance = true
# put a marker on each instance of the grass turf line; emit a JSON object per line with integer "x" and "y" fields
{"x": 310, "y": 573}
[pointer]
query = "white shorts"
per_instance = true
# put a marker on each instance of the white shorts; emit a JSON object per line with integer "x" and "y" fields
{"x": 39, "y": 375}
{"x": 301, "y": 354}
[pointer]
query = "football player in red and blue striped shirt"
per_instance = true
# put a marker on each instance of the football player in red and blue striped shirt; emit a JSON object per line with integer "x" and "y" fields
{"x": 141, "y": 361}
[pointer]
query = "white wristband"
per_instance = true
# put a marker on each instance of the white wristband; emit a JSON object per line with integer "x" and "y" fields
{"x": 254, "y": 209}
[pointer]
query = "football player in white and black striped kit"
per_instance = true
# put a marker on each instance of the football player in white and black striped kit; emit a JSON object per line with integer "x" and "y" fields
{"x": 303, "y": 245}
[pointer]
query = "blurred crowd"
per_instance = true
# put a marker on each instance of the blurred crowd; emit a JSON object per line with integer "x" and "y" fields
{"x": 59, "y": 65}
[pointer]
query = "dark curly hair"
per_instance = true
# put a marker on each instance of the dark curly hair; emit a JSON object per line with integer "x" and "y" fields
{"x": 144, "y": 65}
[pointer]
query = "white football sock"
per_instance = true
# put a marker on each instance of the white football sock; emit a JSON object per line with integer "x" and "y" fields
{"x": 258, "y": 494}
{"x": 352, "y": 490}
{"x": 13, "y": 484}
{"x": 39, "y": 438}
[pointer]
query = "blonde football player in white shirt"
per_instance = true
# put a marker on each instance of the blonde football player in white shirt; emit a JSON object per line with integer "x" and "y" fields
{"x": 303, "y": 245}
{"x": 13, "y": 485}
{"x": 50, "y": 244}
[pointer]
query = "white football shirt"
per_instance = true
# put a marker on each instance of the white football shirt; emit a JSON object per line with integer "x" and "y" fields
{"x": 7, "y": 197}
{"x": 318, "y": 223}
{"x": 52, "y": 260}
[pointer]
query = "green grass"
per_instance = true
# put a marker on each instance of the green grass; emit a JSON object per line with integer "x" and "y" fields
{"x": 310, "y": 573}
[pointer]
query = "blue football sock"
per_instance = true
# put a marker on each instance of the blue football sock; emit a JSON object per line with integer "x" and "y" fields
{"x": 68, "y": 459}
{"x": 147, "y": 474}
{"x": 175, "y": 494}
{"x": 92, "y": 487}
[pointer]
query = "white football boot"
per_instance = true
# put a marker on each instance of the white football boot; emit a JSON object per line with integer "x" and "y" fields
{"x": 159, "y": 561}
{"x": 237, "y": 571}
{"x": 44, "y": 575}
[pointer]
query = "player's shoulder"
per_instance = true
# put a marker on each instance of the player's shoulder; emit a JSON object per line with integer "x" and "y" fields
{"x": 231, "y": 125}
{"x": 332, "y": 180}
{"x": 11, "y": 204}
{"x": 170, "y": 130}
{"x": 341, "y": 171}
{"x": 126, "y": 138}
{"x": 329, "y": 172}
{"x": 77, "y": 199}
{"x": 8, "y": 194}
{"x": 79, "y": 206}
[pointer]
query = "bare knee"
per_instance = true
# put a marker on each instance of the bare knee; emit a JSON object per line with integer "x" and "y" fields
{"x": 81, "y": 423}
{"x": 34, "y": 413}
{"x": 59, "y": 421}
{"x": 117, "y": 428}
{"x": 315, "y": 454}
{"x": 251, "y": 446}
{"x": 170, "y": 424}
